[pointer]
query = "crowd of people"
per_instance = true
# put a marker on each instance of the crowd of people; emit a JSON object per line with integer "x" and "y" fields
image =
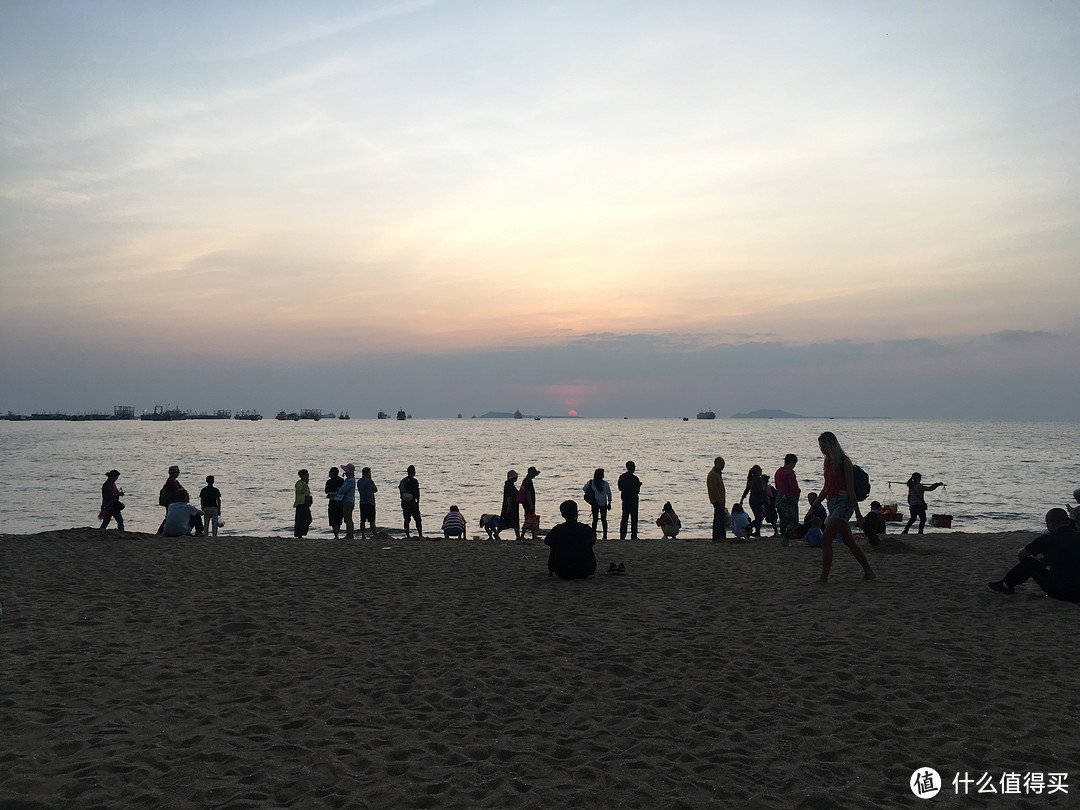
{"x": 1053, "y": 560}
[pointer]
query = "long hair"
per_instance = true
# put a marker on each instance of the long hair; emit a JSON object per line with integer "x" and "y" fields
{"x": 830, "y": 446}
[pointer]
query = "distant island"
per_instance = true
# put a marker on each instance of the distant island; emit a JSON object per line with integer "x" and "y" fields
{"x": 767, "y": 414}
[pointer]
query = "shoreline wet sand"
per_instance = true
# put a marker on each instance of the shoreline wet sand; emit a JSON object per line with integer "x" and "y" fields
{"x": 252, "y": 672}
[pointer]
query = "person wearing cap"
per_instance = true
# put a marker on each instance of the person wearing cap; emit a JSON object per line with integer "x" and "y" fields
{"x": 409, "y": 488}
{"x": 509, "y": 517}
{"x": 629, "y": 488}
{"x": 170, "y": 493}
{"x": 210, "y": 501}
{"x": 110, "y": 501}
{"x": 527, "y": 498}
{"x": 181, "y": 518}
{"x": 365, "y": 494}
{"x": 346, "y": 496}
{"x": 333, "y": 506}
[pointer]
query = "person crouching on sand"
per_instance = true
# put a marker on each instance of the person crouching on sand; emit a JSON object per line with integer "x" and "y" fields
{"x": 453, "y": 525}
{"x": 839, "y": 490}
{"x": 669, "y": 522}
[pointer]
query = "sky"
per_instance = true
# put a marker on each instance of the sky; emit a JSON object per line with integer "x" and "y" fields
{"x": 629, "y": 208}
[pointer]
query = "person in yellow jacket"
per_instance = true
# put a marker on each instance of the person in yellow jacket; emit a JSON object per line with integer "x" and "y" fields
{"x": 718, "y": 498}
{"x": 302, "y": 505}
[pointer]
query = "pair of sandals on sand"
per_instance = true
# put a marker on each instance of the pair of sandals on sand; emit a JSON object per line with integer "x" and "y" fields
{"x": 617, "y": 570}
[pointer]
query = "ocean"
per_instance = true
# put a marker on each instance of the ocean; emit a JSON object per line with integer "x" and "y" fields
{"x": 1000, "y": 476}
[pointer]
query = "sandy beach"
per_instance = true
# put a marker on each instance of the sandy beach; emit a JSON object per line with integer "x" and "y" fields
{"x": 255, "y": 673}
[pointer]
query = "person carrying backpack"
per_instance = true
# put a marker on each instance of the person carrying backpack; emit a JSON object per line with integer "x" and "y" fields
{"x": 842, "y": 499}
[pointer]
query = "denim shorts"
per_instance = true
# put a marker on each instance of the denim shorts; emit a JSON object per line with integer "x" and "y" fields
{"x": 841, "y": 508}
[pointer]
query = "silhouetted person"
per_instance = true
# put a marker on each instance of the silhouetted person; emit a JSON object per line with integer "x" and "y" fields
{"x": 334, "y": 508}
{"x": 210, "y": 501}
{"x": 598, "y": 496}
{"x": 718, "y": 499}
{"x": 409, "y": 488}
{"x": 571, "y": 555}
{"x": 1051, "y": 559}
{"x": 916, "y": 501}
{"x": 301, "y": 504}
{"x": 110, "y": 501}
{"x": 629, "y": 487}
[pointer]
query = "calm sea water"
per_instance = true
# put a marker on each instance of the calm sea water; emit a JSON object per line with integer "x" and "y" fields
{"x": 1001, "y": 476}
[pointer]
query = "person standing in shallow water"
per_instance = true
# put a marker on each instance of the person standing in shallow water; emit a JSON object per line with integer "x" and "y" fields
{"x": 210, "y": 503}
{"x": 629, "y": 488}
{"x": 839, "y": 490}
{"x": 718, "y": 498}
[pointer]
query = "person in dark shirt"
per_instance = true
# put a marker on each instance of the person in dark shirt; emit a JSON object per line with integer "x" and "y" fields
{"x": 1051, "y": 559}
{"x": 629, "y": 487}
{"x": 571, "y": 555}
{"x": 335, "y": 509}
{"x": 409, "y": 488}
{"x": 210, "y": 503}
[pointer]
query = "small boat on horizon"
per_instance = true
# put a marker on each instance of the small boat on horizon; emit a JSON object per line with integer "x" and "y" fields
{"x": 164, "y": 413}
{"x": 706, "y": 415}
{"x": 383, "y": 415}
{"x": 401, "y": 416}
{"x": 251, "y": 416}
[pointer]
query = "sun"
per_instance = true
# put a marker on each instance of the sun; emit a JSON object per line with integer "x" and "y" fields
{"x": 571, "y": 413}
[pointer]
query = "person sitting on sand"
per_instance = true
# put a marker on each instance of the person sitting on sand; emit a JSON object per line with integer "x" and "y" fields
{"x": 813, "y": 534}
{"x": 1074, "y": 511}
{"x": 571, "y": 555}
{"x": 873, "y": 523}
{"x": 816, "y": 510}
{"x": 182, "y": 517}
{"x": 490, "y": 524}
{"x": 453, "y": 525}
{"x": 1051, "y": 559}
{"x": 669, "y": 522}
{"x": 740, "y": 522}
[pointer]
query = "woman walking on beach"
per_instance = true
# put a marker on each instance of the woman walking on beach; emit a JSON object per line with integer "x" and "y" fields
{"x": 916, "y": 502}
{"x": 839, "y": 490}
{"x": 509, "y": 517}
{"x": 527, "y": 498}
{"x": 756, "y": 489}
{"x": 110, "y": 501}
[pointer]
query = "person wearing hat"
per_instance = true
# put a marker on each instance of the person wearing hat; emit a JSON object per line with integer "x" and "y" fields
{"x": 527, "y": 497}
{"x": 509, "y": 517}
{"x": 110, "y": 501}
{"x": 346, "y": 495}
{"x": 170, "y": 493}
